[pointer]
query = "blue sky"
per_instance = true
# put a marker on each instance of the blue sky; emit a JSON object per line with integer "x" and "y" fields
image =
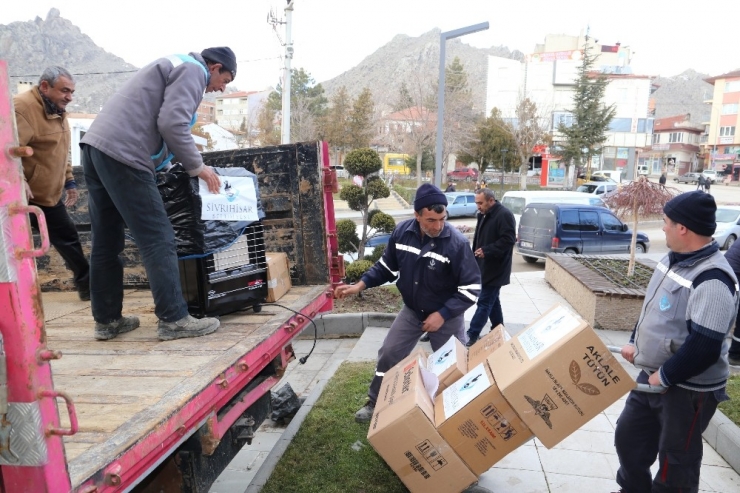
{"x": 332, "y": 36}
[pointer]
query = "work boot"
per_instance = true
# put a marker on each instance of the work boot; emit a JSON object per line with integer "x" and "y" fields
{"x": 365, "y": 414}
{"x": 83, "y": 291}
{"x": 103, "y": 332}
{"x": 471, "y": 340}
{"x": 186, "y": 327}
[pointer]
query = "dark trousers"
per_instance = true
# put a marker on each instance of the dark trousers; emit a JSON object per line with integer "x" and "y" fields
{"x": 63, "y": 236}
{"x": 403, "y": 336}
{"x": 121, "y": 196}
{"x": 667, "y": 426}
{"x": 488, "y": 308}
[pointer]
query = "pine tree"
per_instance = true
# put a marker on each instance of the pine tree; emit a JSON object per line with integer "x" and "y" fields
{"x": 361, "y": 120}
{"x": 591, "y": 118}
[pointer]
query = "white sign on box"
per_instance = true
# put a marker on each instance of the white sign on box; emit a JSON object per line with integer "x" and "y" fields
{"x": 547, "y": 331}
{"x": 235, "y": 201}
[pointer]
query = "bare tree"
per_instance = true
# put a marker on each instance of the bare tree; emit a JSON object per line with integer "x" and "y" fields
{"x": 268, "y": 133}
{"x": 335, "y": 124}
{"x": 529, "y": 128}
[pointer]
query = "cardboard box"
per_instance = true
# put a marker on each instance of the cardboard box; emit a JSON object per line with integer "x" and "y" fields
{"x": 487, "y": 344}
{"x": 278, "y": 275}
{"x": 476, "y": 420}
{"x": 392, "y": 387}
{"x": 449, "y": 363}
{"x": 558, "y": 375}
{"x": 403, "y": 434}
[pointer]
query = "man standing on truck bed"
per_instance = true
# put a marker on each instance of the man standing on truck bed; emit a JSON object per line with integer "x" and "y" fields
{"x": 438, "y": 279}
{"x": 42, "y": 125}
{"x": 679, "y": 342}
{"x": 139, "y": 131}
{"x": 493, "y": 247}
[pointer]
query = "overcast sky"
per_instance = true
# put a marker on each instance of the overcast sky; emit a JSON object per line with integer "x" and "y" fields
{"x": 332, "y": 36}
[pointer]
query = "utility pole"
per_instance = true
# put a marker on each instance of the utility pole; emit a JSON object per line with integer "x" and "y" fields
{"x": 271, "y": 19}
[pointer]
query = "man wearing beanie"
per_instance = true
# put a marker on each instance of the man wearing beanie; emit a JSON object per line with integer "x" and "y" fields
{"x": 679, "y": 342}
{"x": 138, "y": 132}
{"x": 435, "y": 272}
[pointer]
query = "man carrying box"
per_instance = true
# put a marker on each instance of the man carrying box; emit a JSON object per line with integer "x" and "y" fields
{"x": 679, "y": 342}
{"x": 435, "y": 272}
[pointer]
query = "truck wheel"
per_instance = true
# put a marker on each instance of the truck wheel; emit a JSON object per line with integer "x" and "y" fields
{"x": 571, "y": 251}
{"x": 530, "y": 260}
{"x": 730, "y": 240}
{"x": 639, "y": 248}
{"x": 256, "y": 308}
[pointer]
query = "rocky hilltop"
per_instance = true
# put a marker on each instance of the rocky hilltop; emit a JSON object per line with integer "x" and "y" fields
{"x": 31, "y": 46}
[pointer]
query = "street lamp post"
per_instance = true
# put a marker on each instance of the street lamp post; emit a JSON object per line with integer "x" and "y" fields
{"x": 503, "y": 155}
{"x": 443, "y": 37}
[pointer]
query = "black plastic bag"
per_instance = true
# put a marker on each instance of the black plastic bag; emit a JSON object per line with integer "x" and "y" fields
{"x": 194, "y": 236}
{"x": 285, "y": 403}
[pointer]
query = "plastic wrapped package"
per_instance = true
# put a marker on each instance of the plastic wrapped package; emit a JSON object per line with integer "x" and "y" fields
{"x": 194, "y": 236}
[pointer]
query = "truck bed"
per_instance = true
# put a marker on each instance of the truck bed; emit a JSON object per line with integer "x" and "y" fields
{"x": 126, "y": 389}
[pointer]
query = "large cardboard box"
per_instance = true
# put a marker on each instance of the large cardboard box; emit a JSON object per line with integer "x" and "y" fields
{"x": 558, "y": 375}
{"x": 403, "y": 434}
{"x": 449, "y": 363}
{"x": 278, "y": 275}
{"x": 487, "y": 344}
{"x": 476, "y": 420}
{"x": 392, "y": 387}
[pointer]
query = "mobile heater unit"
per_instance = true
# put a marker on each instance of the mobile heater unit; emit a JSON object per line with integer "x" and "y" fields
{"x": 227, "y": 281}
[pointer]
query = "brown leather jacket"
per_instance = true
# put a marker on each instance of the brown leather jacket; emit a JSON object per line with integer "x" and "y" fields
{"x": 48, "y": 135}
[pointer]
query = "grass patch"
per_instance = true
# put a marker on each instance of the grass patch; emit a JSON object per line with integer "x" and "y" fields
{"x": 322, "y": 456}
{"x": 731, "y": 408}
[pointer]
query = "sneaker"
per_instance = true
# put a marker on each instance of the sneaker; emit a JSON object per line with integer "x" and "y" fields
{"x": 733, "y": 361}
{"x": 103, "y": 332}
{"x": 365, "y": 414}
{"x": 186, "y": 327}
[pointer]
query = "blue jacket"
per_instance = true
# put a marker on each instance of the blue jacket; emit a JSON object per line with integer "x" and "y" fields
{"x": 432, "y": 274}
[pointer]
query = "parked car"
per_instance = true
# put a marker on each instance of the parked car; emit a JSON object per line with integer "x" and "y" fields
{"x": 340, "y": 171}
{"x": 710, "y": 174}
{"x": 596, "y": 188}
{"x": 461, "y": 204}
{"x": 728, "y": 226}
{"x": 467, "y": 174}
{"x": 517, "y": 200}
{"x": 566, "y": 228}
{"x": 643, "y": 169}
{"x": 687, "y": 178}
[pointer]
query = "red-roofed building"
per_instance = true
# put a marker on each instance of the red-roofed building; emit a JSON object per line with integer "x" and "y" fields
{"x": 675, "y": 146}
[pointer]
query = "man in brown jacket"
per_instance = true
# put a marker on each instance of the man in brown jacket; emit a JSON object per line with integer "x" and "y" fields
{"x": 42, "y": 125}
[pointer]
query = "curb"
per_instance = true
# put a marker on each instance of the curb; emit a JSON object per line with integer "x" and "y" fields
{"x": 272, "y": 459}
{"x": 339, "y": 325}
{"x": 400, "y": 200}
{"x": 724, "y": 437}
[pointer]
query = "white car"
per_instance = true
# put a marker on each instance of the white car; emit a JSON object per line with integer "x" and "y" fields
{"x": 710, "y": 175}
{"x": 728, "y": 226}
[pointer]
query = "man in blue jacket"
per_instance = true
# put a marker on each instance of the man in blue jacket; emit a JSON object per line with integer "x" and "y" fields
{"x": 679, "y": 342}
{"x": 438, "y": 279}
{"x": 139, "y": 131}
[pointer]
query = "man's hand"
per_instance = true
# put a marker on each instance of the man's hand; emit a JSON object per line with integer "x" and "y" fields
{"x": 433, "y": 322}
{"x": 211, "y": 178}
{"x": 628, "y": 353}
{"x": 29, "y": 193}
{"x": 655, "y": 379}
{"x": 344, "y": 290}
{"x": 72, "y": 196}
{"x": 479, "y": 253}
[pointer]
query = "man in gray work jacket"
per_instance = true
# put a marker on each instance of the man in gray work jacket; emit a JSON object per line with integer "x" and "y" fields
{"x": 435, "y": 272}
{"x": 139, "y": 131}
{"x": 679, "y": 342}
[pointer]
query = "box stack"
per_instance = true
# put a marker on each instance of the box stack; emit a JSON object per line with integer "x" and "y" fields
{"x": 444, "y": 419}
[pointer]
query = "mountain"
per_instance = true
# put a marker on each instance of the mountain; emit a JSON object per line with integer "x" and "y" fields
{"x": 31, "y": 46}
{"x": 409, "y": 59}
{"x": 683, "y": 93}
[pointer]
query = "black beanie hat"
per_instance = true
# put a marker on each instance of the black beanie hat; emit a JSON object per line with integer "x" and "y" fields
{"x": 695, "y": 210}
{"x": 427, "y": 195}
{"x": 222, "y": 55}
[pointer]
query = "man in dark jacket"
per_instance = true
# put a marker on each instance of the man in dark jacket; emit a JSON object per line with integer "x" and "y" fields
{"x": 733, "y": 258}
{"x": 139, "y": 131}
{"x": 493, "y": 245}
{"x": 436, "y": 274}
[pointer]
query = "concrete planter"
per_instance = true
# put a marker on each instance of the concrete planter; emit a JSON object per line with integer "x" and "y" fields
{"x": 600, "y": 302}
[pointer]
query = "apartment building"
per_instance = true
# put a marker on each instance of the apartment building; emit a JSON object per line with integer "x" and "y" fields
{"x": 721, "y": 141}
{"x": 240, "y": 109}
{"x": 675, "y": 146}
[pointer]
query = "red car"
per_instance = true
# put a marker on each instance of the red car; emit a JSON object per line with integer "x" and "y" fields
{"x": 467, "y": 174}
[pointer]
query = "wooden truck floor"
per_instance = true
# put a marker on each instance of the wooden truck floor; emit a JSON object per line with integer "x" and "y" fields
{"x": 124, "y": 388}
